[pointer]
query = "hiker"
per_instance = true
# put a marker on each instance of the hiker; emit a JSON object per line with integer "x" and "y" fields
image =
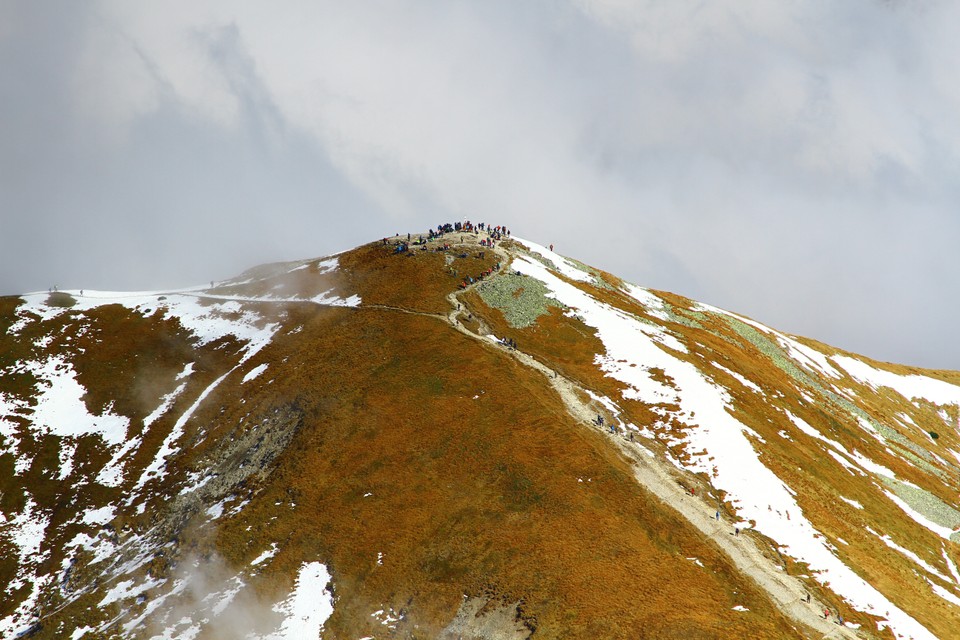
{"x": 631, "y": 436}
{"x": 826, "y": 614}
{"x": 736, "y": 531}
{"x": 718, "y": 516}
{"x": 839, "y": 619}
{"x": 551, "y": 247}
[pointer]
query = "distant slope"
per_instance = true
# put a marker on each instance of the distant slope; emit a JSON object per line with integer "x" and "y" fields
{"x": 347, "y": 446}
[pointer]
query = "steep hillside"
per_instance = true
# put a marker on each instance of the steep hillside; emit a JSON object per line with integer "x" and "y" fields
{"x": 460, "y": 440}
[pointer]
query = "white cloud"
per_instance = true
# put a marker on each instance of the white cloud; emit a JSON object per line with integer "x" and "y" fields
{"x": 774, "y": 158}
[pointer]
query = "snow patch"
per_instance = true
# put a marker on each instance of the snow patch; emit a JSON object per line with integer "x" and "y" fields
{"x": 100, "y": 516}
{"x": 951, "y": 566}
{"x": 60, "y": 409}
{"x": 308, "y": 607}
{"x": 165, "y": 403}
{"x": 156, "y": 468}
{"x": 126, "y": 589}
{"x": 909, "y": 386}
{"x": 742, "y": 380}
{"x": 887, "y": 540}
{"x": 648, "y": 300}
{"x": 943, "y": 593}
{"x": 266, "y": 555}
{"x": 559, "y": 263}
{"x": 852, "y": 503}
{"x": 253, "y": 373}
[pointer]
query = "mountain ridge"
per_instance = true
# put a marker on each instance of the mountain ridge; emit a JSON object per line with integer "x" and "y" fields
{"x": 352, "y": 372}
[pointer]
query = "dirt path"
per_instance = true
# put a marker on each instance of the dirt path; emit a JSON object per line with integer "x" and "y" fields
{"x": 664, "y": 481}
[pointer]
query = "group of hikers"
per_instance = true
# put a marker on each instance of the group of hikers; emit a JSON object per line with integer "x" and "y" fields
{"x": 498, "y": 232}
{"x": 494, "y": 234}
{"x": 826, "y": 614}
{"x": 404, "y": 247}
{"x": 483, "y": 276}
{"x": 600, "y": 422}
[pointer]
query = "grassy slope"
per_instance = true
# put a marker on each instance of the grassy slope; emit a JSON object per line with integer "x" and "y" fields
{"x": 802, "y": 463}
{"x": 475, "y": 496}
{"x": 469, "y": 496}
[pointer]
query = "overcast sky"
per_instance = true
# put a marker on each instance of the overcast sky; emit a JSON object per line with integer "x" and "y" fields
{"x": 797, "y": 162}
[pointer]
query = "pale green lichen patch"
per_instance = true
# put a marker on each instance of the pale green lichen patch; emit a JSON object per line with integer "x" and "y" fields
{"x": 521, "y": 299}
{"x": 926, "y": 504}
{"x": 598, "y": 280}
{"x": 683, "y": 317}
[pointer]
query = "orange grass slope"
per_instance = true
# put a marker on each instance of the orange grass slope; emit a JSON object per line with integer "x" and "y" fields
{"x": 424, "y": 467}
{"x": 463, "y": 469}
{"x": 353, "y": 411}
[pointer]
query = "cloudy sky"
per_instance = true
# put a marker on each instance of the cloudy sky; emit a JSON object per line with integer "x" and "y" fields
{"x": 794, "y": 161}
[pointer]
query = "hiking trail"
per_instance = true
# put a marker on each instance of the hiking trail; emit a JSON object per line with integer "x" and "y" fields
{"x": 667, "y": 482}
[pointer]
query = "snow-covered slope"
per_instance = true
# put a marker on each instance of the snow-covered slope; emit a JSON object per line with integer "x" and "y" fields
{"x": 697, "y": 400}
{"x": 322, "y": 448}
{"x": 43, "y": 400}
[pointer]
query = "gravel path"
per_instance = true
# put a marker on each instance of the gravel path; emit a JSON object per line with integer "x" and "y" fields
{"x": 664, "y": 481}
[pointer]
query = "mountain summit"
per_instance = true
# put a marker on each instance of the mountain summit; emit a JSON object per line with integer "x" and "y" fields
{"x": 462, "y": 434}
